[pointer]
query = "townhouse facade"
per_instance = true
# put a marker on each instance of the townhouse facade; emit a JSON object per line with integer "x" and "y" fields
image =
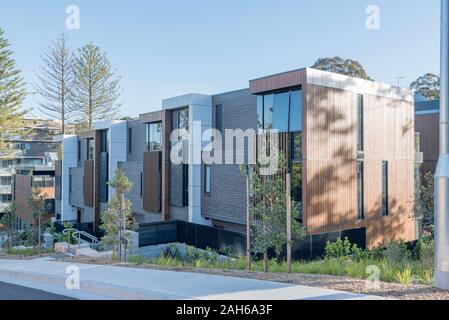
{"x": 349, "y": 144}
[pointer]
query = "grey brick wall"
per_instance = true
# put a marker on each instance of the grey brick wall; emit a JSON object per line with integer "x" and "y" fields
{"x": 227, "y": 200}
{"x": 133, "y": 170}
{"x": 176, "y": 179}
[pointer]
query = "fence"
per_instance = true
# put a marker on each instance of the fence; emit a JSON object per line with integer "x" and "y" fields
{"x": 309, "y": 248}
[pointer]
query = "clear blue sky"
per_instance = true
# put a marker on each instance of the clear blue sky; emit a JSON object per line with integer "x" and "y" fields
{"x": 167, "y": 48}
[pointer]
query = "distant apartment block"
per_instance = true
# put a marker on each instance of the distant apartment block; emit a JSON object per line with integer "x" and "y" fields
{"x": 32, "y": 149}
{"x": 349, "y": 143}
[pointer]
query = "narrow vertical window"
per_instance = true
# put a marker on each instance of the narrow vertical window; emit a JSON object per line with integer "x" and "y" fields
{"x": 141, "y": 184}
{"x": 207, "y": 179}
{"x": 360, "y": 191}
{"x": 260, "y": 121}
{"x": 360, "y": 119}
{"x": 70, "y": 183}
{"x": 79, "y": 150}
{"x": 219, "y": 117}
{"x": 385, "y": 209}
{"x": 130, "y": 140}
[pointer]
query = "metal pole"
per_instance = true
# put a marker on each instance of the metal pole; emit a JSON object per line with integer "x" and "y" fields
{"x": 289, "y": 223}
{"x": 248, "y": 225}
{"x": 442, "y": 171}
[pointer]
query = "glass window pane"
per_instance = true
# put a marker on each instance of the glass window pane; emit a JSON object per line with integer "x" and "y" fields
{"x": 260, "y": 112}
{"x": 296, "y": 111}
{"x": 207, "y": 179}
{"x": 296, "y": 146}
{"x": 184, "y": 118}
{"x": 280, "y": 111}
{"x": 360, "y": 191}
{"x": 268, "y": 111}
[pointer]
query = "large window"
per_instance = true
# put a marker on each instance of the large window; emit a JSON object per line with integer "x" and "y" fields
{"x": 360, "y": 191}
{"x": 180, "y": 120}
{"x": 154, "y": 136}
{"x": 360, "y": 119}
{"x": 104, "y": 143}
{"x": 296, "y": 146}
{"x": 280, "y": 111}
{"x": 385, "y": 209}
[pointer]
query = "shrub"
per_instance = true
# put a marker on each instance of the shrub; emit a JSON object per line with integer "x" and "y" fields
{"x": 404, "y": 277}
{"x": 343, "y": 248}
{"x": 396, "y": 252}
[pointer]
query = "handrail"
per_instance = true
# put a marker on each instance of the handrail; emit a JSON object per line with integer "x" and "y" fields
{"x": 76, "y": 234}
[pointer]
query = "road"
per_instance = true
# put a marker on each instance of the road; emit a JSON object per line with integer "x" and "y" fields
{"x": 14, "y": 292}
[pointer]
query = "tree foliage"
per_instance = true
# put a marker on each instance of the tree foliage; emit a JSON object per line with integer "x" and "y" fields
{"x": 118, "y": 217}
{"x": 12, "y": 94}
{"x": 424, "y": 203}
{"x": 36, "y": 201}
{"x": 428, "y": 86}
{"x": 9, "y": 223}
{"x": 96, "y": 90}
{"x": 56, "y": 81}
{"x": 340, "y": 65}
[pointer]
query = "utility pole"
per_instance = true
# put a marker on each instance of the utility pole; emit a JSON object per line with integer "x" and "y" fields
{"x": 442, "y": 171}
{"x": 399, "y": 80}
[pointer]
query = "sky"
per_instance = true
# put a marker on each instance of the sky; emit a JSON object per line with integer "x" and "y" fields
{"x": 162, "y": 49}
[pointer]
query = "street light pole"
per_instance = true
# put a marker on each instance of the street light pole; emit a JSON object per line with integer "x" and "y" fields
{"x": 442, "y": 171}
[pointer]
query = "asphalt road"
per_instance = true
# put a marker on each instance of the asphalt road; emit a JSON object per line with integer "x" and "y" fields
{"x": 14, "y": 292}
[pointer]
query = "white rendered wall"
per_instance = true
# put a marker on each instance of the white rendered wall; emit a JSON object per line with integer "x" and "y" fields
{"x": 117, "y": 148}
{"x": 69, "y": 145}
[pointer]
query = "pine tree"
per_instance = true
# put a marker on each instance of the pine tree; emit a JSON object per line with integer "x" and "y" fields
{"x": 56, "y": 81}
{"x": 96, "y": 88}
{"x": 12, "y": 94}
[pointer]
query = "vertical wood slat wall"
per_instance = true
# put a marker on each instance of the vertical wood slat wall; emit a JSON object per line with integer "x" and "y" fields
{"x": 152, "y": 181}
{"x": 428, "y": 126}
{"x": 330, "y": 158}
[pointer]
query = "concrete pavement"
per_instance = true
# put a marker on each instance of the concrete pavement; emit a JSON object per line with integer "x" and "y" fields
{"x": 109, "y": 282}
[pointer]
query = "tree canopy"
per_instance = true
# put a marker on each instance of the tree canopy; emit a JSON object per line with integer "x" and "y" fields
{"x": 428, "y": 86}
{"x": 12, "y": 94}
{"x": 337, "y": 64}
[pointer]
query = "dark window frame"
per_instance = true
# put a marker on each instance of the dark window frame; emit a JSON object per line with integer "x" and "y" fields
{"x": 130, "y": 140}
{"x": 385, "y": 190}
{"x": 360, "y": 190}
{"x": 207, "y": 186}
{"x": 360, "y": 123}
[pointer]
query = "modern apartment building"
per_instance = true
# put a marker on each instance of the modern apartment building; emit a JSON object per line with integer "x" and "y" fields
{"x": 349, "y": 144}
{"x": 29, "y": 149}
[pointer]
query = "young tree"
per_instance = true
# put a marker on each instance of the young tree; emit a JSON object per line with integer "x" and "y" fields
{"x": 339, "y": 65}
{"x": 268, "y": 213}
{"x": 427, "y": 85}
{"x": 9, "y": 223}
{"x": 56, "y": 81}
{"x": 118, "y": 217}
{"x": 424, "y": 203}
{"x": 36, "y": 201}
{"x": 96, "y": 88}
{"x": 12, "y": 94}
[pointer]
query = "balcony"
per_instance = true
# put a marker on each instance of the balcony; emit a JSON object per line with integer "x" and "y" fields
{"x": 5, "y": 189}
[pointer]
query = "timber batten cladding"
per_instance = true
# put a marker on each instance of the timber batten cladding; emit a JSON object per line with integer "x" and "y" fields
{"x": 329, "y": 164}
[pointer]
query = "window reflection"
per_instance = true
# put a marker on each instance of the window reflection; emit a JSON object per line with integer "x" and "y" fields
{"x": 154, "y": 136}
